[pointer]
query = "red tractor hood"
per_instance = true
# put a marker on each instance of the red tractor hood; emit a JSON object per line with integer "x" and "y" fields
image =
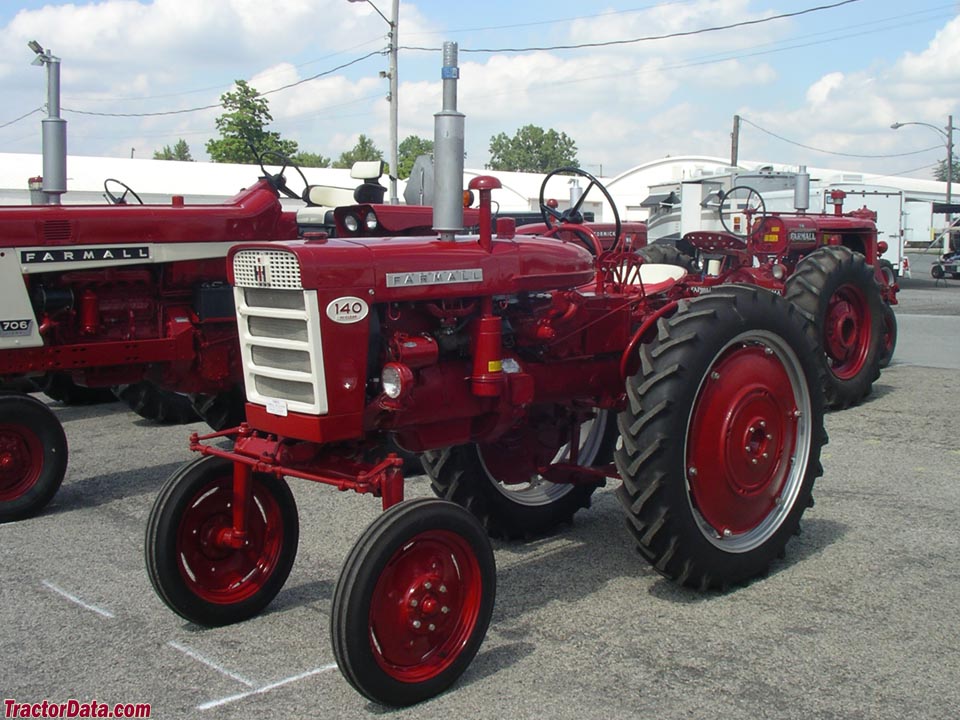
{"x": 417, "y": 268}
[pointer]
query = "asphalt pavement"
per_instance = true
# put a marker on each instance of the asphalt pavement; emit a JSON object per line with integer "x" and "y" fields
{"x": 858, "y": 621}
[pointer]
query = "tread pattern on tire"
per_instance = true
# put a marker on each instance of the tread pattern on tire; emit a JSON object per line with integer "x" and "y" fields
{"x": 808, "y": 287}
{"x": 153, "y": 403}
{"x": 654, "y": 426}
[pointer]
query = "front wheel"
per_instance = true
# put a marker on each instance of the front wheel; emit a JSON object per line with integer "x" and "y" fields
{"x": 413, "y": 602}
{"x": 838, "y": 293}
{"x": 721, "y": 437}
{"x": 33, "y": 456}
{"x": 197, "y": 575}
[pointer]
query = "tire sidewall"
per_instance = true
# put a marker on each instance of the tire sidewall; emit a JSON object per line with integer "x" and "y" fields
{"x": 161, "y": 544}
{"x": 354, "y": 593}
{"x": 40, "y": 420}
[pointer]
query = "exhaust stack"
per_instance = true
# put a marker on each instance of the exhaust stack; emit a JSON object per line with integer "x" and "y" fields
{"x": 54, "y": 129}
{"x": 801, "y": 191}
{"x": 448, "y": 144}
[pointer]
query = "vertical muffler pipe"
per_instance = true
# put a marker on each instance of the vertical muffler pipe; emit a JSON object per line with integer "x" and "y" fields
{"x": 801, "y": 191}
{"x": 448, "y": 144}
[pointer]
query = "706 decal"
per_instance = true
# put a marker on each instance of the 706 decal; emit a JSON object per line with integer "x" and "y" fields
{"x": 15, "y": 327}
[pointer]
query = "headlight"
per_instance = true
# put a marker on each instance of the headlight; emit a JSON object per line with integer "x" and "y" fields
{"x": 396, "y": 380}
{"x": 351, "y": 223}
{"x": 371, "y": 221}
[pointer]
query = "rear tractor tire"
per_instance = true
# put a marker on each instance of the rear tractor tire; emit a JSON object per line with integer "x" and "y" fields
{"x": 160, "y": 406}
{"x": 666, "y": 254}
{"x": 499, "y": 482}
{"x": 889, "y": 344}
{"x": 837, "y": 292}
{"x": 721, "y": 437}
{"x": 33, "y": 456}
{"x": 61, "y": 387}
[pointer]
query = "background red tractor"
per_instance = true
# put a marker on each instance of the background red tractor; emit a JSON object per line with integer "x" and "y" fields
{"x": 827, "y": 265}
{"x": 528, "y": 370}
{"x": 125, "y": 295}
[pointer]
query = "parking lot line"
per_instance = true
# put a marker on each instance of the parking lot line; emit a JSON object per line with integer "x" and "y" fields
{"x": 74, "y": 599}
{"x": 210, "y": 663}
{"x": 266, "y": 688}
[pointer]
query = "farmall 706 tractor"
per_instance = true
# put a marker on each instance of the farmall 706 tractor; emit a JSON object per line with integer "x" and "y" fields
{"x": 827, "y": 265}
{"x": 123, "y": 294}
{"x": 527, "y": 370}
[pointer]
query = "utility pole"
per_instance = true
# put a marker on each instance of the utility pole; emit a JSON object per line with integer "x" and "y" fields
{"x": 735, "y": 142}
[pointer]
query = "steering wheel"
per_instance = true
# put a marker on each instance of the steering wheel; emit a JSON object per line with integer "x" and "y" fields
{"x": 741, "y": 200}
{"x": 555, "y": 219}
{"x": 122, "y": 199}
{"x": 278, "y": 180}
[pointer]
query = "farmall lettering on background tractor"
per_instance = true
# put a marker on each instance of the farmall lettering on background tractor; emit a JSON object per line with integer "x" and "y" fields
{"x": 527, "y": 370}
{"x": 119, "y": 295}
{"x": 827, "y": 265}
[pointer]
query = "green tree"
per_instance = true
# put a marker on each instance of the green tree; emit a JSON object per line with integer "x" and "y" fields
{"x": 412, "y": 147}
{"x": 308, "y": 159}
{"x": 180, "y": 151}
{"x": 532, "y": 149}
{"x": 243, "y": 132}
{"x": 365, "y": 149}
{"x": 941, "y": 172}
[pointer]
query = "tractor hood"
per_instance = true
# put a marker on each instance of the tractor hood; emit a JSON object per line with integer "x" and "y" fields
{"x": 413, "y": 268}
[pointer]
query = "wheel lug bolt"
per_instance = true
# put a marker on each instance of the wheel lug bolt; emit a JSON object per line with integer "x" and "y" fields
{"x": 769, "y": 436}
{"x": 714, "y": 375}
{"x": 766, "y": 455}
{"x": 431, "y": 627}
{"x": 763, "y": 423}
{"x": 414, "y": 603}
{"x": 754, "y": 461}
{"x": 416, "y": 624}
{"x": 727, "y": 533}
{"x": 427, "y": 585}
{"x": 443, "y": 588}
{"x": 444, "y": 609}
{"x": 692, "y": 472}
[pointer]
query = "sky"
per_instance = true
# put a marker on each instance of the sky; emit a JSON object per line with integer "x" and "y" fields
{"x": 819, "y": 88}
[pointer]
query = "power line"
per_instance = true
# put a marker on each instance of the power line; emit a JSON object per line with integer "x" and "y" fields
{"x": 833, "y": 152}
{"x": 647, "y": 38}
{"x": 25, "y": 115}
{"x": 210, "y": 107}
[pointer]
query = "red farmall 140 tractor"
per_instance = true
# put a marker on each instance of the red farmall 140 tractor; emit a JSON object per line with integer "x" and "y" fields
{"x": 827, "y": 265}
{"x": 527, "y": 370}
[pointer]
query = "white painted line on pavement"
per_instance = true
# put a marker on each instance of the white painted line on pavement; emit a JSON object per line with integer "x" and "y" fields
{"x": 74, "y": 599}
{"x": 209, "y": 663}
{"x": 266, "y": 688}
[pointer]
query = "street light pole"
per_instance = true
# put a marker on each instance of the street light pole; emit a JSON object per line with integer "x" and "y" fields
{"x": 392, "y": 21}
{"x": 948, "y": 138}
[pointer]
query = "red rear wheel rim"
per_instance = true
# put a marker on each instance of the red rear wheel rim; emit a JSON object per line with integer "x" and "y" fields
{"x": 425, "y": 606}
{"x": 21, "y": 461}
{"x": 742, "y": 439}
{"x": 217, "y": 573}
{"x": 847, "y": 331}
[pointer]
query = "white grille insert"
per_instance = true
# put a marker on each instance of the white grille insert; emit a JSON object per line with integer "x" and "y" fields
{"x": 267, "y": 269}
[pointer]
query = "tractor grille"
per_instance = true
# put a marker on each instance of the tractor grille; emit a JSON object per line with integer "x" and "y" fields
{"x": 274, "y": 269}
{"x": 280, "y": 341}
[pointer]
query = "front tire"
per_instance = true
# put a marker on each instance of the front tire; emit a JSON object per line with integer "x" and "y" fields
{"x": 721, "y": 437}
{"x": 33, "y": 456}
{"x": 200, "y": 579}
{"x": 413, "y": 602}
{"x": 889, "y": 344}
{"x": 837, "y": 292}
{"x": 499, "y": 481}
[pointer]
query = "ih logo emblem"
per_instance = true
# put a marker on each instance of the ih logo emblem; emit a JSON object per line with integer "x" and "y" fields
{"x": 260, "y": 267}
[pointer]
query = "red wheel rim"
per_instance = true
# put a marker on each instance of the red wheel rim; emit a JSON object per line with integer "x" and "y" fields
{"x": 425, "y": 606}
{"x": 741, "y": 442}
{"x": 21, "y": 461}
{"x": 217, "y": 573}
{"x": 846, "y": 331}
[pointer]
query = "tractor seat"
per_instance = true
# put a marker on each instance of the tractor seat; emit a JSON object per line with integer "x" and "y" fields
{"x": 656, "y": 277}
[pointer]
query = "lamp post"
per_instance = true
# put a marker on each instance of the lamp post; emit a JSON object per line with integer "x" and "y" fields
{"x": 392, "y": 97}
{"x": 947, "y": 134}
